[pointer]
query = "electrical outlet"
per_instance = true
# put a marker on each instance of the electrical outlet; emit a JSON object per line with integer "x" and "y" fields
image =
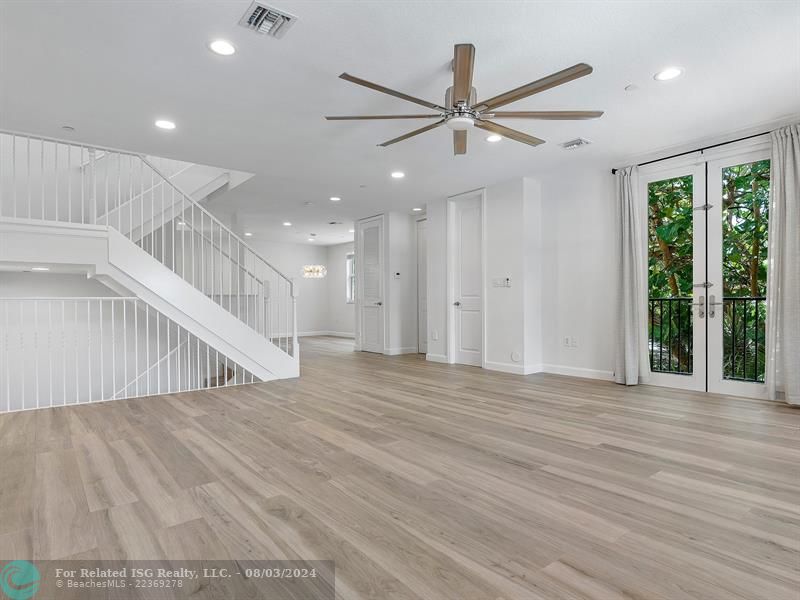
{"x": 566, "y": 341}
{"x": 435, "y": 335}
{"x": 573, "y": 342}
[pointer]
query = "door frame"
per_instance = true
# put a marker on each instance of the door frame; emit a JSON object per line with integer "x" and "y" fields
{"x": 451, "y": 266}
{"x": 359, "y": 299}
{"x": 417, "y": 224}
{"x": 707, "y": 163}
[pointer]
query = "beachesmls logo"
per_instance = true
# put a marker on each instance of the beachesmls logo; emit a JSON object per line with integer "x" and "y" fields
{"x": 19, "y": 580}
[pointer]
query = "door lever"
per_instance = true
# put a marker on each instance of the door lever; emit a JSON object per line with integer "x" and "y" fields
{"x": 701, "y": 306}
{"x": 711, "y": 304}
{"x": 456, "y": 303}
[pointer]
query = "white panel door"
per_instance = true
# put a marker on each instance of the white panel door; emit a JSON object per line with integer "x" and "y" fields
{"x": 369, "y": 283}
{"x": 422, "y": 286}
{"x": 468, "y": 281}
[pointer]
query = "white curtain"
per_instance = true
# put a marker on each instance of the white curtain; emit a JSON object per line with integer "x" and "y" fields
{"x": 783, "y": 270}
{"x": 631, "y": 360}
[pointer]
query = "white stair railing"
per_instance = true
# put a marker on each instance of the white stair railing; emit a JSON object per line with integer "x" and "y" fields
{"x": 66, "y": 351}
{"x": 56, "y": 180}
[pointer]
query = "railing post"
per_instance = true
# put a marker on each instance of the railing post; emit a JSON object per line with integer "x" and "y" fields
{"x": 93, "y": 184}
{"x": 295, "y": 347}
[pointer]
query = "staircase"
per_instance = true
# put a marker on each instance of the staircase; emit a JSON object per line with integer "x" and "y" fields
{"x": 123, "y": 218}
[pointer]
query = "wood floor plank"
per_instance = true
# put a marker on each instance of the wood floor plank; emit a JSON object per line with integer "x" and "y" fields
{"x": 423, "y": 481}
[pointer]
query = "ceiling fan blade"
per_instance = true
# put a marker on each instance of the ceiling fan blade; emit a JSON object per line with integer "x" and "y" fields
{"x": 463, "y": 64}
{"x": 412, "y": 133}
{"x": 378, "y": 117}
{"x": 540, "y": 85}
{"x": 511, "y": 134}
{"x": 385, "y": 90}
{"x": 546, "y": 115}
{"x": 459, "y": 142}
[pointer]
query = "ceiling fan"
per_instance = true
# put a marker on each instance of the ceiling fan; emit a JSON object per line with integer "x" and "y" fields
{"x": 461, "y": 111}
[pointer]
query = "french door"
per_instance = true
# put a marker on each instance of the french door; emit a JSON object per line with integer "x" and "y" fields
{"x": 707, "y": 262}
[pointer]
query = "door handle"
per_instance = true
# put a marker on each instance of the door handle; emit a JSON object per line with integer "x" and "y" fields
{"x": 711, "y": 304}
{"x": 701, "y": 306}
{"x": 456, "y": 304}
{"x": 379, "y": 304}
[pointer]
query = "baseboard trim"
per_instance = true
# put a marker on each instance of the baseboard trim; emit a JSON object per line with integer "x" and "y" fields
{"x": 396, "y": 351}
{"x": 342, "y": 334}
{"x": 578, "y": 372}
{"x": 439, "y": 358}
{"x": 513, "y": 368}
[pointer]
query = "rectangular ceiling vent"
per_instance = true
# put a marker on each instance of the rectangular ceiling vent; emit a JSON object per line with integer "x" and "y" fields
{"x": 576, "y": 143}
{"x": 267, "y": 20}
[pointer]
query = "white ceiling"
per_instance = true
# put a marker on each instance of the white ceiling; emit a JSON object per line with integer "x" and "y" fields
{"x": 109, "y": 69}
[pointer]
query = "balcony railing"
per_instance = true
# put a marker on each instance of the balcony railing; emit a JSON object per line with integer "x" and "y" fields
{"x": 671, "y": 335}
{"x": 743, "y": 331}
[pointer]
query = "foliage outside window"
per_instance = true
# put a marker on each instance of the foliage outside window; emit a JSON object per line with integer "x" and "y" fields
{"x": 350, "y": 270}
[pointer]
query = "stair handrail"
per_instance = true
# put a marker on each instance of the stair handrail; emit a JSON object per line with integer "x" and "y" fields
{"x": 213, "y": 218}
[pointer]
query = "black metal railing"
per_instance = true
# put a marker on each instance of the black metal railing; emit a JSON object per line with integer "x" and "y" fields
{"x": 743, "y": 336}
{"x": 670, "y": 325}
{"x": 743, "y": 333}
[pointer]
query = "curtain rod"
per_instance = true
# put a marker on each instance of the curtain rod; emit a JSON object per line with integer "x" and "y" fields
{"x": 649, "y": 162}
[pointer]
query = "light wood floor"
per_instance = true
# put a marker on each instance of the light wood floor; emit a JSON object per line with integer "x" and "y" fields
{"x": 424, "y": 481}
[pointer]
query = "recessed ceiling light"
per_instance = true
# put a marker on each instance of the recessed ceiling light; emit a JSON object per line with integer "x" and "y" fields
{"x": 494, "y": 138}
{"x": 67, "y": 128}
{"x": 222, "y": 47}
{"x": 248, "y": 234}
{"x": 351, "y": 231}
{"x": 40, "y": 268}
{"x": 164, "y": 124}
{"x": 668, "y": 73}
{"x": 335, "y": 198}
{"x": 287, "y": 224}
{"x": 310, "y": 239}
{"x": 416, "y": 209}
{"x": 398, "y": 174}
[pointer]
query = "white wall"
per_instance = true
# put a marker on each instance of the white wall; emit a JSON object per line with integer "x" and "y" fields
{"x": 341, "y": 315}
{"x": 579, "y": 277}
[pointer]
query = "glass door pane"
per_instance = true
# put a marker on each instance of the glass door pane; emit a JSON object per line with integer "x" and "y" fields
{"x": 745, "y": 214}
{"x": 670, "y": 274}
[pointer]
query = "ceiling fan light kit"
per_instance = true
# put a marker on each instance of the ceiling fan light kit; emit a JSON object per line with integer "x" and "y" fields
{"x": 462, "y": 112}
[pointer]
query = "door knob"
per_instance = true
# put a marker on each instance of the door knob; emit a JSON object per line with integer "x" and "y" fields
{"x": 379, "y": 304}
{"x": 456, "y": 304}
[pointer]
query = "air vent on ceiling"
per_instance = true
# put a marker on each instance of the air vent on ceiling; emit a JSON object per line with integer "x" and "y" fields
{"x": 576, "y": 143}
{"x": 267, "y": 20}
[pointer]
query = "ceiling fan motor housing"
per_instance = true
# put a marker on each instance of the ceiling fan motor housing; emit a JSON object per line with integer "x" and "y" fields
{"x": 448, "y": 98}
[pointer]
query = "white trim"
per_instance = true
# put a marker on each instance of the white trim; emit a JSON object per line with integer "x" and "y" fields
{"x": 342, "y": 334}
{"x": 396, "y": 351}
{"x": 513, "y": 368}
{"x": 578, "y": 372}
{"x": 438, "y": 358}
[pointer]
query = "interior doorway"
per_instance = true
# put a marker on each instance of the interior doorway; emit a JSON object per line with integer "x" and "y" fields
{"x": 465, "y": 235}
{"x": 422, "y": 286}
{"x": 369, "y": 291}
